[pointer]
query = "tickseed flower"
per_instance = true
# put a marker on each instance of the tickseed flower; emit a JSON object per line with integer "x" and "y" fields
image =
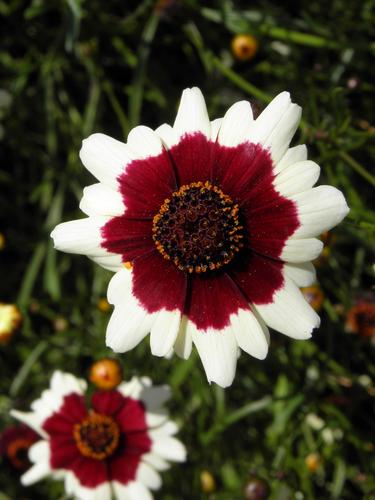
{"x": 361, "y": 319}
{"x": 106, "y": 373}
{"x": 210, "y": 227}
{"x": 244, "y": 47}
{"x": 15, "y": 442}
{"x": 117, "y": 445}
{"x": 10, "y": 321}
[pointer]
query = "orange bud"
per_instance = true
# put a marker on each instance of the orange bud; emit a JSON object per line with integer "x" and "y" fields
{"x": 10, "y": 321}
{"x": 314, "y": 296}
{"x": 244, "y": 47}
{"x": 103, "y": 305}
{"x": 106, "y": 373}
{"x": 313, "y": 461}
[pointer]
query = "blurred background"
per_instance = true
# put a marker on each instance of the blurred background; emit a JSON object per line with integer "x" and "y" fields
{"x": 299, "y": 425}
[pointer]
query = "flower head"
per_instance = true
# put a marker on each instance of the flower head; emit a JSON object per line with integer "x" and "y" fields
{"x": 15, "y": 442}
{"x": 210, "y": 228}
{"x": 118, "y": 443}
{"x": 10, "y": 321}
{"x": 361, "y": 319}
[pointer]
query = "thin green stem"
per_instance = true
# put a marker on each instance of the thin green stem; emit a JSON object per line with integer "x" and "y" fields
{"x": 349, "y": 160}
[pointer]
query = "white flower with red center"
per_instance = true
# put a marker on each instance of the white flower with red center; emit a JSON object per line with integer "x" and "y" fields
{"x": 210, "y": 228}
{"x": 113, "y": 447}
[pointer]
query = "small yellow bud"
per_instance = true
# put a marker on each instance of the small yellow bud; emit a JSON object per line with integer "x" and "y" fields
{"x": 208, "y": 483}
{"x": 244, "y": 47}
{"x": 10, "y": 321}
{"x": 106, "y": 373}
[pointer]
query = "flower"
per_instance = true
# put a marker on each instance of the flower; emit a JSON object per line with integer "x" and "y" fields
{"x": 210, "y": 227}
{"x": 15, "y": 442}
{"x": 361, "y": 319}
{"x": 10, "y": 321}
{"x": 314, "y": 296}
{"x": 119, "y": 444}
{"x": 106, "y": 373}
{"x": 244, "y": 47}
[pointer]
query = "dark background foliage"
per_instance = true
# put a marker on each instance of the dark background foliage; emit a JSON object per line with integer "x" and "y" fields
{"x": 74, "y": 67}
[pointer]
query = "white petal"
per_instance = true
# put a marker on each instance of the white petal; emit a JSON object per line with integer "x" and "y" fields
{"x": 148, "y": 476}
{"x": 30, "y": 419}
{"x": 37, "y": 472}
{"x": 99, "y": 199}
{"x": 131, "y": 491}
{"x": 155, "y": 397}
{"x": 155, "y": 461}
{"x": 278, "y": 141}
{"x": 132, "y": 389}
{"x": 293, "y": 155}
{"x": 167, "y": 135}
{"x": 82, "y": 236}
{"x": 130, "y": 322}
{"x": 192, "y": 114}
{"x": 218, "y": 352}
{"x": 164, "y": 332}
{"x": 104, "y": 157}
{"x": 290, "y": 313}
{"x": 170, "y": 449}
{"x": 184, "y": 341}
{"x": 319, "y": 209}
{"x": 143, "y": 142}
{"x": 168, "y": 428}
{"x": 302, "y": 274}
{"x": 112, "y": 262}
{"x": 215, "y": 127}
{"x": 297, "y": 178}
{"x": 39, "y": 452}
{"x": 250, "y": 334}
{"x": 79, "y": 492}
{"x": 266, "y": 122}
{"x": 301, "y": 250}
{"x": 236, "y": 124}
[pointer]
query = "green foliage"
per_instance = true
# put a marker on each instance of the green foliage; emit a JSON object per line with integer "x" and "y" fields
{"x": 73, "y": 67}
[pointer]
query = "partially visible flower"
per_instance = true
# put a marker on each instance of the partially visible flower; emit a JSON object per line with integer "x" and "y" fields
{"x": 208, "y": 483}
{"x": 10, "y": 321}
{"x": 256, "y": 489}
{"x": 313, "y": 461}
{"x": 15, "y": 442}
{"x": 106, "y": 373}
{"x": 210, "y": 228}
{"x": 244, "y": 47}
{"x": 117, "y": 445}
{"x": 103, "y": 305}
{"x": 361, "y": 319}
{"x": 314, "y": 296}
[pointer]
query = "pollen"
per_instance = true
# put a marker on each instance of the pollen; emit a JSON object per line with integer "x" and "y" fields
{"x": 97, "y": 436}
{"x": 198, "y": 228}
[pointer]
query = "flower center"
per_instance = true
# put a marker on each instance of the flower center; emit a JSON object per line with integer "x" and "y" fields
{"x": 198, "y": 228}
{"x": 97, "y": 436}
{"x": 17, "y": 452}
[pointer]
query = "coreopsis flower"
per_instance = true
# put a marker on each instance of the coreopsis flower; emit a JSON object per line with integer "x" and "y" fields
{"x": 117, "y": 444}
{"x": 10, "y": 321}
{"x": 210, "y": 228}
{"x": 15, "y": 442}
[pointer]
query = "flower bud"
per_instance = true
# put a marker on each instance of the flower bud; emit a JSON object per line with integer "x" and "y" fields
{"x": 106, "y": 373}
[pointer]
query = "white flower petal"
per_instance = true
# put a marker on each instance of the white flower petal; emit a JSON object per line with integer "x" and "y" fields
{"x": 40, "y": 452}
{"x": 184, "y": 341}
{"x": 270, "y": 117}
{"x": 169, "y": 448}
{"x": 99, "y": 199}
{"x": 250, "y": 334}
{"x": 192, "y": 114}
{"x": 290, "y": 313}
{"x": 129, "y": 323}
{"x": 167, "y": 135}
{"x": 164, "y": 332}
{"x": 302, "y": 274}
{"x": 168, "y": 428}
{"x": 303, "y": 250}
{"x": 132, "y": 389}
{"x": 105, "y": 158}
{"x": 148, "y": 476}
{"x": 297, "y": 178}
{"x": 155, "y": 461}
{"x": 293, "y": 155}
{"x": 112, "y": 262}
{"x": 236, "y": 124}
{"x": 37, "y": 472}
{"x": 279, "y": 140}
{"x": 82, "y": 236}
{"x": 131, "y": 491}
{"x": 319, "y": 209}
{"x": 30, "y": 419}
{"x": 215, "y": 127}
{"x": 218, "y": 352}
{"x": 155, "y": 397}
{"x": 144, "y": 142}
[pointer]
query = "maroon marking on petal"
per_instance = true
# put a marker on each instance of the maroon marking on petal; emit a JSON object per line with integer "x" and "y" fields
{"x": 64, "y": 452}
{"x": 72, "y": 410}
{"x": 145, "y": 184}
{"x": 14, "y": 433}
{"x": 212, "y": 299}
{"x": 132, "y": 417}
{"x": 191, "y": 158}
{"x": 157, "y": 283}
{"x": 123, "y": 467}
{"x": 138, "y": 443}
{"x": 108, "y": 402}
{"x": 90, "y": 472}
{"x": 127, "y": 237}
{"x": 258, "y": 277}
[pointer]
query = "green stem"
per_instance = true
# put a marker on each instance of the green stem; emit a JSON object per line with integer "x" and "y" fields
{"x": 137, "y": 87}
{"x": 357, "y": 167}
{"x": 298, "y": 37}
